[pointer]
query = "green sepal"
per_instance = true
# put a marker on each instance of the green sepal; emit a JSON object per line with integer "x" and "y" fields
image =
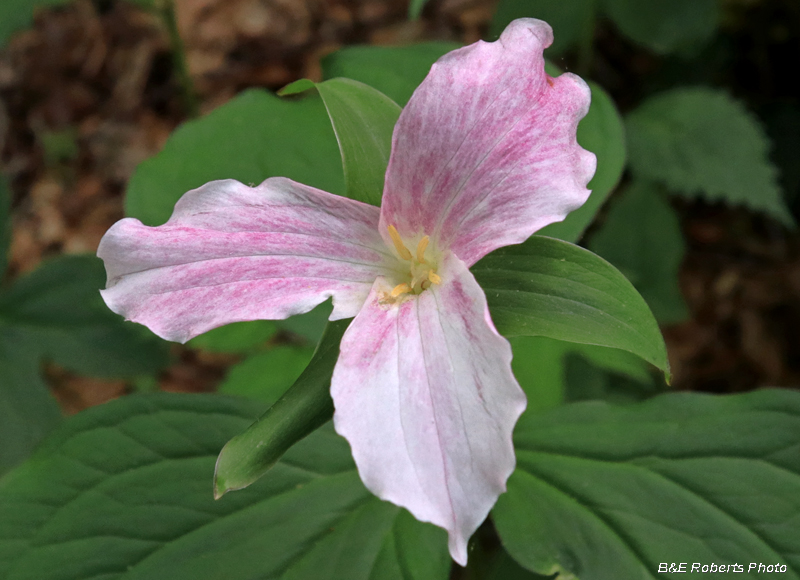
{"x": 305, "y": 407}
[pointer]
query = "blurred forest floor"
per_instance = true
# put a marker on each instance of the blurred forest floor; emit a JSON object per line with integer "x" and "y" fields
{"x": 87, "y": 94}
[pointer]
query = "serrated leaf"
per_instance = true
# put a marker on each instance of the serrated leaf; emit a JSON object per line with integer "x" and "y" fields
{"x": 608, "y": 492}
{"x": 602, "y": 132}
{"x": 121, "y": 492}
{"x": 396, "y": 71}
{"x": 547, "y": 287}
{"x": 305, "y": 407}
{"x": 363, "y": 119}
{"x": 27, "y": 411}
{"x": 702, "y": 142}
{"x": 665, "y": 25}
{"x": 267, "y": 375}
{"x": 570, "y": 20}
{"x": 58, "y": 310}
{"x": 254, "y": 136}
{"x": 642, "y": 237}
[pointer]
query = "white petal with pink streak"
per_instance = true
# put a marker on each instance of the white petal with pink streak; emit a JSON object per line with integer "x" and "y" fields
{"x": 425, "y": 395}
{"x": 485, "y": 152}
{"x": 232, "y": 252}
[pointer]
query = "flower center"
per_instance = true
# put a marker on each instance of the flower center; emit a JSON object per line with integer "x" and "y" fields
{"x": 421, "y": 272}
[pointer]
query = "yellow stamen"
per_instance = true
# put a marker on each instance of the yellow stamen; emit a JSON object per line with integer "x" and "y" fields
{"x": 400, "y": 289}
{"x": 423, "y": 243}
{"x": 398, "y": 244}
{"x": 434, "y": 277}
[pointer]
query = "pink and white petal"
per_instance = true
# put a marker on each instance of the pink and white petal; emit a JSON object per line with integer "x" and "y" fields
{"x": 231, "y": 253}
{"x": 424, "y": 393}
{"x": 485, "y": 152}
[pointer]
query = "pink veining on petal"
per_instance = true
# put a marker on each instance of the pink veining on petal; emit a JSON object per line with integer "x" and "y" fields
{"x": 485, "y": 153}
{"x": 425, "y": 395}
{"x": 231, "y": 253}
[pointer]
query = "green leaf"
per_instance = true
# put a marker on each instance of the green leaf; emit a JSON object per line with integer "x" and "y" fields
{"x": 266, "y": 376}
{"x": 538, "y": 366}
{"x": 546, "y": 370}
{"x": 27, "y": 411}
{"x": 547, "y": 287}
{"x": 18, "y": 14}
{"x": 121, "y": 492}
{"x": 568, "y": 19}
{"x": 363, "y": 120}
{"x": 665, "y": 25}
{"x": 58, "y": 308}
{"x": 255, "y": 136}
{"x": 584, "y": 381}
{"x": 601, "y": 131}
{"x": 305, "y": 407}
{"x": 642, "y": 237}
{"x": 608, "y": 492}
{"x": 702, "y": 142}
{"x": 5, "y": 224}
{"x": 503, "y": 567}
{"x": 237, "y": 337}
{"x": 396, "y": 71}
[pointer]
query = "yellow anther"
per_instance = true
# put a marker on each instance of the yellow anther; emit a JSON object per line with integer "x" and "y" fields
{"x": 423, "y": 243}
{"x": 398, "y": 244}
{"x": 434, "y": 277}
{"x": 400, "y": 289}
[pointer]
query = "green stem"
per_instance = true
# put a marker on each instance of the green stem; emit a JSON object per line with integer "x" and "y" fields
{"x": 166, "y": 9}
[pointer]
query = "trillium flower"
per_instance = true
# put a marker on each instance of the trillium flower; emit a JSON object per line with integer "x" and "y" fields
{"x": 483, "y": 155}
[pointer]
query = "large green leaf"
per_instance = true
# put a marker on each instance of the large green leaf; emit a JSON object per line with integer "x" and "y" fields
{"x": 642, "y": 237}
{"x": 602, "y": 133}
{"x": 58, "y": 308}
{"x": 122, "y": 492}
{"x": 607, "y": 492}
{"x": 363, "y": 119}
{"x": 301, "y": 410}
{"x": 700, "y": 141}
{"x": 570, "y": 20}
{"x": 255, "y": 136}
{"x": 396, "y": 71}
{"x": 27, "y": 411}
{"x": 665, "y": 25}
{"x": 547, "y": 287}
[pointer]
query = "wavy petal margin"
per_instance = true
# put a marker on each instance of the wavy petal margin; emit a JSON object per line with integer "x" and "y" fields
{"x": 425, "y": 395}
{"x": 231, "y": 253}
{"x": 485, "y": 152}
